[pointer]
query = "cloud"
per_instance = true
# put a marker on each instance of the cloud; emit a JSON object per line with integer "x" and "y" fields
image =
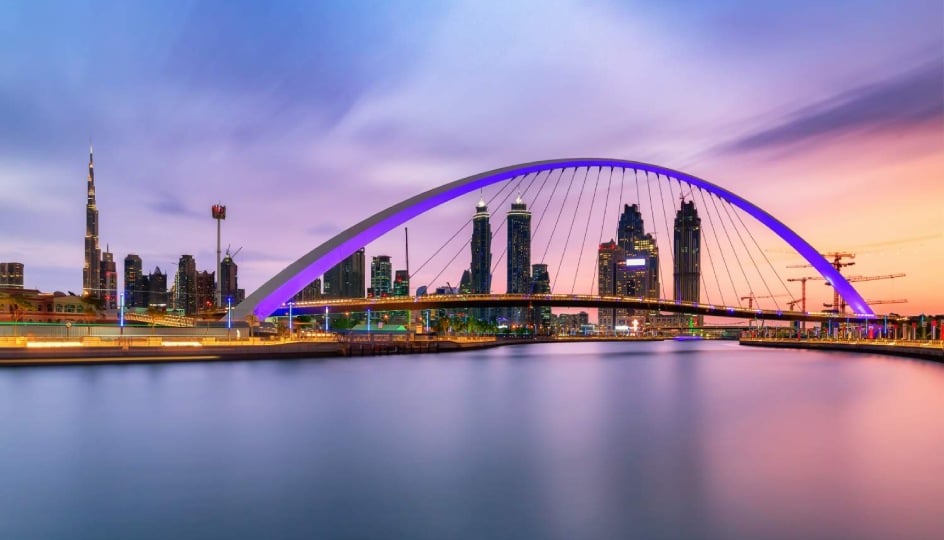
{"x": 912, "y": 98}
{"x": 169, "y": 205}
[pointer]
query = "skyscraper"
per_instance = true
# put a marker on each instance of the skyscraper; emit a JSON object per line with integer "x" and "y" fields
{"x": 519, "y": 248}
{"x": 401, "y": 283}
{"x": 229, "y": 284}
{"x": 312, "y": 291}
{"x": 108, "y": 281}
{"x": 635, "y": 242}
{"x": 687, "y": 260}
{"x": 608, "y": 256}
{"x": 133, "y": 282}
{"x": 91, "y": 273}
{"x": 185, "y": 285}
{"x": 381, "y": 278}
{"x": 465, "y": 282}
{"x": 647, "y": 248}
{"x": 630, "y": 227}
{"x": 541, "y": 284}
{"x": 157, "y": 289}
{"x": 346, "y": 279}
{"x": 481, "y": 250}
{"x": 206, "y": 290}
{"x": 519, "y": 257}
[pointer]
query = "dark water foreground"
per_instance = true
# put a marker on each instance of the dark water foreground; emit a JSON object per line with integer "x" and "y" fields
{"x": 570, "y": 441}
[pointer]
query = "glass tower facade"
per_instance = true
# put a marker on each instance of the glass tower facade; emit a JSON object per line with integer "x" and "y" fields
{"x": 481, "y": 250}
{"x": 687, "y": 261}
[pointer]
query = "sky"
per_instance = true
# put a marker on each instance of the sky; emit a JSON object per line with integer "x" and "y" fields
{"x": 305, "y": 117}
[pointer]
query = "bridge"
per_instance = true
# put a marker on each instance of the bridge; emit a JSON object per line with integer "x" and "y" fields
{"x": 472, "y": 301}
{"x": 735, "y": 262}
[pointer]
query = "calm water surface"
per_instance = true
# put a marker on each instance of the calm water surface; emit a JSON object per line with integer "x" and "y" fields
{"x": 570, "y": 441}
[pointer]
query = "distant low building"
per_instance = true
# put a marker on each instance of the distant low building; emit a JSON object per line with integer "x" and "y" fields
{"x": 11, "y": 275}
{"x": 33, "y": 306}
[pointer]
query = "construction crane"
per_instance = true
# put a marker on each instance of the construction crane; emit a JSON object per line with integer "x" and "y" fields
{"x": 803, "y": 281}
{"x": 840, "y": 305}
{"x": 837, "y": 262}
{"x": 895, "y": 301}
{"x": 751, "y": 297}
{"x": 836, "y": 300}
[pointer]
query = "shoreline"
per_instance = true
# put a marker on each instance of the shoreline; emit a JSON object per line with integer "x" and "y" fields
{"x": 24, "y": 352}
{"x": 924, "y": 350}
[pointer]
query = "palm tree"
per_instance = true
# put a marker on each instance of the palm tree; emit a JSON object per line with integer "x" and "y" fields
{"x": 252, "y": 321}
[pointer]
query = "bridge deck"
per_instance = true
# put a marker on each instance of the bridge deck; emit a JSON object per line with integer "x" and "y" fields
{"x": 457, "y": 301}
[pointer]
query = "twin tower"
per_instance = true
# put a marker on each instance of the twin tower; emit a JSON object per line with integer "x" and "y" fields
{"x": 519, "y": 273}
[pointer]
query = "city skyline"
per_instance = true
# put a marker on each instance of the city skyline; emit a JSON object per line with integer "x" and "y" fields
{"x": 826, "y": 130}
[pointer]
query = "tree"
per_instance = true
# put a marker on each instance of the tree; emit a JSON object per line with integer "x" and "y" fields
{"x": 252, "y": 321}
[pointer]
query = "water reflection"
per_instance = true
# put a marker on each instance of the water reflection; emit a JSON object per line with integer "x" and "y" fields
{"x": 654, "y": 440}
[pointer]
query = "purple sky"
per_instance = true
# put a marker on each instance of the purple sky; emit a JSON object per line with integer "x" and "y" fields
{"x": 304, "y": 119}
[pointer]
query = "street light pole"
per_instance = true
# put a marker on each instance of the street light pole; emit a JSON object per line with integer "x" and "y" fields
{"x": 290, "y": 326}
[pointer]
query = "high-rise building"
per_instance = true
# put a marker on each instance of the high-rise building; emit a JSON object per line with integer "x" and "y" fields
{"x": 519, "y": 248}
{"x": 381, "y": 278}
{"x": 465, "y": 282}
{"x": 312, "y": 291}
{"x": 541, "y": 284}
{"x": 646, "y": 247}
{"x": 185, "y": 285}
{"x": 632, "y": 237}
{"x": 346, "y": 279}
{"x": 108, "y": 280}
{"x": 11, "y": 275}
{"x": 401, "y": 283}
{"x": 91, "y": 273}
{"x": 481, "y": 250}
{"x": 157, "y": 289}
{"x": 631, "y": 227}
{"x": 206, "y": 290}
{"x": 135, "y": 292}
{"x": 519, "y": 257}
{"x": 229, "y": 285}
{"x": 608, "y": 256}
{"x": 687, "y": 260}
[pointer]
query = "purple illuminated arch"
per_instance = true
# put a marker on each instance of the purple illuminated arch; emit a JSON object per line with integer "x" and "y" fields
{"x": 300, "y": 273}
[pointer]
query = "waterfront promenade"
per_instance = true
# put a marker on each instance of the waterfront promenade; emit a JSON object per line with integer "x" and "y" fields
{"x": 924, "y": 349}
{"x": 32, "y": 351}
{"x": 23, "y": 351}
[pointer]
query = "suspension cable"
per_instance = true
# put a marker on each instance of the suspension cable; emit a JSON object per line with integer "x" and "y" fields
{"x": 557, "y": 220}
{"x": 741, "y": 238}
{"x": 701, "y": 274}
{"x": 714, "y": 270}
{"x": 785, "y": 288}
{"x": 596, "y": 264}
{"x": 468, "y": 242}
{"x": 711, "y": 263}
{"x": 583, "y": 244}
{"x": 534, "y": 232}
{"x": 505, "y": 249}
{"x": 570, "y": 229}
{"x": 466, "y": 224}
{"x": 731, "y": 242}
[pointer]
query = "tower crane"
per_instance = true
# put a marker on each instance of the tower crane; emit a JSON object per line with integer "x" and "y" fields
{"x": 894, "y": 301}
{"x": 837, "y": 303}
{"x": 751, "y": 297}
{"x": 837, "y": 262}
